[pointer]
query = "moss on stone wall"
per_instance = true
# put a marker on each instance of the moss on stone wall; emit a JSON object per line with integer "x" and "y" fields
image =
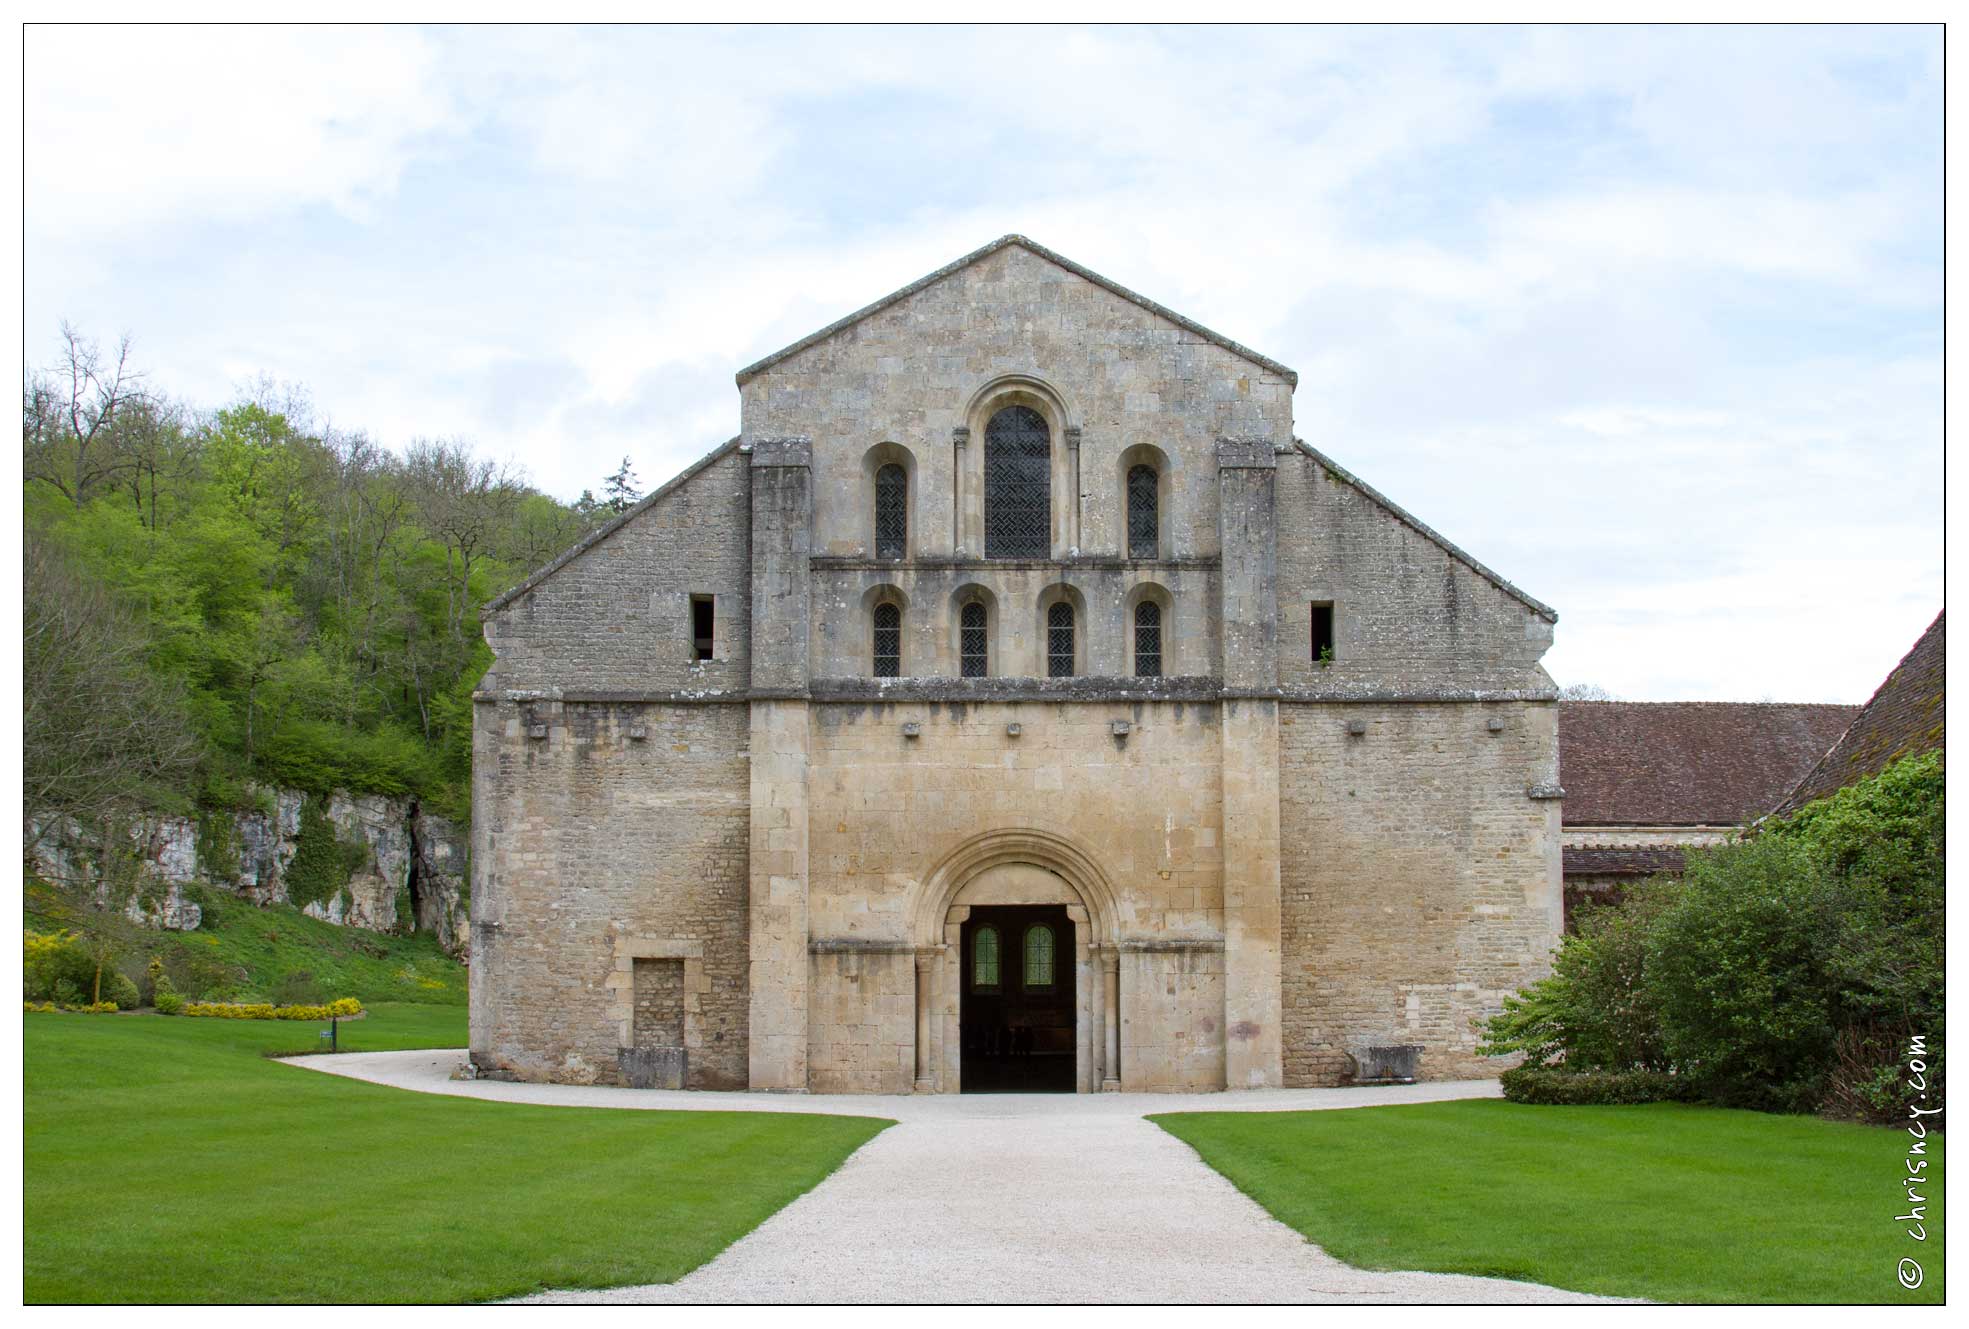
{"x": 322, "y": 862}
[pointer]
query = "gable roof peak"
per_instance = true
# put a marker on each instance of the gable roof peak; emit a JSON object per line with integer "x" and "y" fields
{"x": 1032, "y": 246}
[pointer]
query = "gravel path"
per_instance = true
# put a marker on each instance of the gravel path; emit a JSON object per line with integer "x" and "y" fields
{"x": 1067, "y": 1198}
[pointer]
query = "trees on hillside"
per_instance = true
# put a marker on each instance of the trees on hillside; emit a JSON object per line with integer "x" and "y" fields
{"x": 303, "y": 601}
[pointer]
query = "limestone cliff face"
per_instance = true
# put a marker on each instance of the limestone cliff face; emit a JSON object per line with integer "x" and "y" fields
{"x": 371, "y": 862}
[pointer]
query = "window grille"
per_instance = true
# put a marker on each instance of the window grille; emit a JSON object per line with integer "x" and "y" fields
{"x": 1059, "y": 640}
{"x": 1018, "y": 485}
{"x": 1039, "y": 957}
{"x": 888, "y": 641}
{"x": 891, "y": 512}
{"x": 973, "y": 646}
{"x": 984, "y": 959}
{"x": 1144, "y": 529}
{"x": 1148, "y": 639}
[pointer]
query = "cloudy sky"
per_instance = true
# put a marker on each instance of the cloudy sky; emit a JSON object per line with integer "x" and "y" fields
{"x": 1649, "y": 320}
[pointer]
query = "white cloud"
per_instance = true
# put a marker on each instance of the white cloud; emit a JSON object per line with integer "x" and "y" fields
{"x": 1644, "y": 317}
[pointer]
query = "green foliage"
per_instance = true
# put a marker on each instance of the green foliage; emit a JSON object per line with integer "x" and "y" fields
{"x": 306, "y": 602}
{"x": 1595, "y": 1012}
{"x": 170, "y": 1003}
{"x": 322, "y": 863}
{"x": 1786, "y": 972}
{"x": 1556, "y": 1085}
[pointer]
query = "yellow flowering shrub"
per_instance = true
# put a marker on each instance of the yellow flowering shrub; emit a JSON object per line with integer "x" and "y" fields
{"x": 341, "y": 1008}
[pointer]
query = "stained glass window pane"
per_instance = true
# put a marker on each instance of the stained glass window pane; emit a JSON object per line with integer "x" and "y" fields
{"x": 984, "y": 958}
{"x": 1039, "y": 956}
{"x": 1059, "y": 641}
{"x": 891, "y": 512}
{"x": 888, "y": 641}
{"x": 1148, "y": 639}
{"x": 973, "y": 647}
{"x": 1143, "y": 519}
{"x": 1018, "y": 469}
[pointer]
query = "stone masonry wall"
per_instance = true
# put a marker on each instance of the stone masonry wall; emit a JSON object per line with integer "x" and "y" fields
{"x": 590, "y": 835}
{"x": 1421, "y": 881}
{"x": 618, "y": 617}
{"x": 1406, "y": 614}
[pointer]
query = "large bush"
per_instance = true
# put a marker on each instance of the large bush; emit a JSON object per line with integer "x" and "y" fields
{"x": 1784, "y": 972}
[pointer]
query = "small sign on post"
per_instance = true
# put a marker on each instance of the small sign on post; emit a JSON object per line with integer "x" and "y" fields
{"x": 330, "y": 1034}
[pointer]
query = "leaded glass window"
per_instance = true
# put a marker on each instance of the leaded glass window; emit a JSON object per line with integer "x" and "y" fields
{"x": 984, "y": 959}
{"x": 1039, "y": 957}
{"x": 973, "y": 641}
{"x": 888, "y": 641}
{"x": 1018, "y": 467}
{"x": 1059, "y": 640}
{"x": 1144, "y": 521}
{"x": 891, "y": 512}
{"x": 1148, "y": 639}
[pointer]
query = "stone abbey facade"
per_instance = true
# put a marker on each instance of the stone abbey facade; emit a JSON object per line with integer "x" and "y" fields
{"x": 1014, "y": 703}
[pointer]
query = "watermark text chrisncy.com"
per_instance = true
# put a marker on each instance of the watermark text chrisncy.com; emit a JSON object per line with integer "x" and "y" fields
{"x": 1909, "y": 1270}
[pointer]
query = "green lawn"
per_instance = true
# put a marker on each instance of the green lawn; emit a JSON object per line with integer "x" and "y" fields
{"x": 1668, "y": 1202}
{"x": 167, "y": 1160}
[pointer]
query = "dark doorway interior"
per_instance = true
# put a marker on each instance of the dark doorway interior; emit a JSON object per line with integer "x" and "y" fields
{"x": 1018, "y": 1002}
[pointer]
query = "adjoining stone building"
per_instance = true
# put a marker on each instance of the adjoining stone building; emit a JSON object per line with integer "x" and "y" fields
{"x": 1015, "y": 702}
{"x": 1646, "y": 780}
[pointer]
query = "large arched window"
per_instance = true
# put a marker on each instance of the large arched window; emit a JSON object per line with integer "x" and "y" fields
{"x": 1039, "y": 958}
{"x": 1059, "y": 640}
{"x": 1144, "y": 520}
{"x": 1148, "y": 639}
{"x": 984, "y": 959}
{"x": 1018, "y": 467}
{"x": 888, "y": 640}
{"x": 973, "y": 641}
{"x": 891, "y": 512}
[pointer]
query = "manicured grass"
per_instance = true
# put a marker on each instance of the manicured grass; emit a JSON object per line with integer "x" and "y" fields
{"x": 168, "y": 1160}
{"x": 1667, "y": 1201}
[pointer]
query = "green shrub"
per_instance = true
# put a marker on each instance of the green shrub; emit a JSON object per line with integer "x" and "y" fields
{"x": 1595, "y": 1011}
{"x": 297, "y": 987}
{"x": 169, "y": 1003}
{"x": 1786, "y": 972}
{"x": 1552, "y": 1086}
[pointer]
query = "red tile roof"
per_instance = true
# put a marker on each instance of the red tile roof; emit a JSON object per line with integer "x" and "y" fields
{"x": 1687, "y": 763}
{"x": 1621, "y": 862}
{"x": 1904, "y": 718}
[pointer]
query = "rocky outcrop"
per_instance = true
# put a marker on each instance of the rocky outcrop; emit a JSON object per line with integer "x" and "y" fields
{"x": 372, "y": 862}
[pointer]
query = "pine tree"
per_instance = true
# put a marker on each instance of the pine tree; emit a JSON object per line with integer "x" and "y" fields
{"x": 619, "y": 490}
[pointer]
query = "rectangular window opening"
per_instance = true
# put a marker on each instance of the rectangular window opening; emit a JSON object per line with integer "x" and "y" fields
{"x": 1322, "y": 632}
{"x": 703, "y": 633}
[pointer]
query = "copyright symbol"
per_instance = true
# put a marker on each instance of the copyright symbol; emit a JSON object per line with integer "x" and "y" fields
{"x": 1909, "y": 1274}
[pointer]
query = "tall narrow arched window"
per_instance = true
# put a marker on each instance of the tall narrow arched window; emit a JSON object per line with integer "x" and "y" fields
{"x": 1018, "y": 472}
{"x": 984, "y": 959}
{"x": 973, "y": 641}
{"x": 1039, "y": 958}
{"x": 1144, "y": 518}
{"x": 1059, "y": 640}
{"x": 888, "y": 640}
{"x": 891, "y": 512}
{"x": 1148, "y": 639}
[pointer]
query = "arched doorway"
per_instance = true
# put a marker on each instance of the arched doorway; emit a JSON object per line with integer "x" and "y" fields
{"x": 1011, "y": 883}
{"x": 1017, "y": 1007}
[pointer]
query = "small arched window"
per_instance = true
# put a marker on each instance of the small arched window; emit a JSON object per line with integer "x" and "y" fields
{"x": 891, "y": 512}
{"x": 1148, "y": 640}
{"x": 984, "y": 959}
{"x": 1059, "y": 640}
{"x": 1144, "y": 518}
{"x": 1018, "y": 472}
{"x": 973, "y": 641}
{"x": 1039, "y": 958}
{"x": 888, "y": 640}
